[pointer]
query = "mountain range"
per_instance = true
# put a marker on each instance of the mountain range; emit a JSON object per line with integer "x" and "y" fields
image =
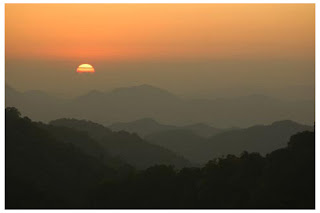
{"x": 168, "y": 144}
{"x": 145, "y": 101}
{"x": 259, "y": 138}
{"x": 68, "y": 164}
{"x": 128, "y": 147}
{"x": 147, "y": 126}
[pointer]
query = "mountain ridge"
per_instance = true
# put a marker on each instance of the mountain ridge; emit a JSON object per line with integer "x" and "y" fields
{"x": 258, "y": 138}
{"x": 126, "y": 146}
{"x": 132, "y": 103}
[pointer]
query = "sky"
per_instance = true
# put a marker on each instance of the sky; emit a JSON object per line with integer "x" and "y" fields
{"x": 198, "y": 50}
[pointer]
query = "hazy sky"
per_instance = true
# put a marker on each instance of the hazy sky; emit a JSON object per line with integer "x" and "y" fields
{"x": 189, "y": 49}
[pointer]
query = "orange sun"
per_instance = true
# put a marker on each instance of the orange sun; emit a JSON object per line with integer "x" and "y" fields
{"x": 85, "y": 68}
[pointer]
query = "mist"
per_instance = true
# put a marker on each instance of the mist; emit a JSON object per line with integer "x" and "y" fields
{"x": 173, "y": 106}
{"x": 195, "y": 79}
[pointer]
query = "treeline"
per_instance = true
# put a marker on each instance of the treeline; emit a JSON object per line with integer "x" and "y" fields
{"x": 283, "y": 179}
{"x": 43, "y": 171}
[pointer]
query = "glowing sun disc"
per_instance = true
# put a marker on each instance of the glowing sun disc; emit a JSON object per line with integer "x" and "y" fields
{"x": 85, "y": 68}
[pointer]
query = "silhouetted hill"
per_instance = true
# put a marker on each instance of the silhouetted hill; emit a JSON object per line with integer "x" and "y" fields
{"x": 13, "y": 97}
{"x": 182, "y": 141}
{"x": 284, "y": 179}
{"x": 142, "y": 92}
{"x": 36, "y": 104}
{"x": 59, "y": 167}
{"x": 82, "y": 141}
{"x": 288, "y": 180}
{"x": 11, "y": 93}
{"x": 44, "y": 172}
{"x": 133, "y": 103}
{"x": 129, "y": 147}
{"x": 260, "y": 138}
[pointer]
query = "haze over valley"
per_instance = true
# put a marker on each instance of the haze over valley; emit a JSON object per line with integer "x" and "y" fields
{"x": 160, "y": 106}
{"x": 133, "y": 103}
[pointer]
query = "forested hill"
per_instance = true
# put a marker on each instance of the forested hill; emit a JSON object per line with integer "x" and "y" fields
{"x": 127, "y": 146}
{"x": 259, "y": 138}
{"x": 43, "y": 172}
{"x": 284, "y": 179}
{"x": 44, "y": 169}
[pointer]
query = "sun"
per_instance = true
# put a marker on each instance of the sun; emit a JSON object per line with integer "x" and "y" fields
{"x": 85, "y": 68}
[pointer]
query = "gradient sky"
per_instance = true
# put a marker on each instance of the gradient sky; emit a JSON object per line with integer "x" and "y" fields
{"x": 189, "y": 49}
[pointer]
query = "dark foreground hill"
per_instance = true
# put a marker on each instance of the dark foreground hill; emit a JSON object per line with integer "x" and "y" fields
{"x": 46, "y": 168}
{"x": 43, "y": 172}
{"x": 87, "y": 145}
{"x": 57, "y": 167}
{"x": 127, "y": 146}
{"x": 284, "y": 179}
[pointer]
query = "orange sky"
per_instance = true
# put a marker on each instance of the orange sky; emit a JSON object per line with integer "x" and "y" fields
{"x": 154, "y": 31}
